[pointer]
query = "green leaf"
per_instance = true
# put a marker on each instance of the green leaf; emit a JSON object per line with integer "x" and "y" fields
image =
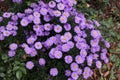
{"x": 118, "y": 50}
{"x": 19, "y": 75}
{"x": 118, "y": 45}
{"x": 16, "y": 68}
{"x": 23, "y": 69}
{"x": 4, "y": 56}
{"x": 17, "y": 62}
{"x": 2, "y": 75}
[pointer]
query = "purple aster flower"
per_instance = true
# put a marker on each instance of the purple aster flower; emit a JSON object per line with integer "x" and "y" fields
{"x": 77, "y": 29}
{"x": 104, "y": 50}
{"x": 39, "y": 33}
{"x": 103, "y": 56}
{"x": 47, "y": 33}
{"x": 53, "y": 71}
{"x": 47, "y": 27}
{"x": 79, "y": 59}
{"x": 60, "y": 6}
{"x": 47, "y": 18}
{"x": 67, "y": 73}
{"x": 30, "y": 17}
{"x": 57, "y": 28}
{"x": 107, "y": 44}
{"x": 9, "y": 27}
{"x": 71, "y": 44}
{"x": 6, "y": 33}
{"x": 36, "y": 14}
{"x": 13, "y": 46}
{"x": 95, "y": 34}
{"x": 33, "y": 5}
{"x": 58, "y": 54}
{"x": 90, "y": 26}
{"x": 28, "y": 11}
{"x": 57, "y": 13}
{"x": 65, "y": 48}
{"x": 77, "y": 19}
{"x": 68, "y": 59}
{"x": 33, "y": 52}
{"x": 36, "y": 20}
{"x": 43, "y": 11}
{"x": 52, "y": 4}
{"x": 38, "y": 45}
{"x": 74, "y": 66}
{"x": 67, "y": 27}
{"x": 94, "y": 43}
{"x": 15, "y": 27}
{"x": 91, "y": 73}
{"x": 27, "y": 49}
{"x": 2, "y": 37}
{"x": 20, "y": 15}
{"x": 14, "y": 17}
{"x": 64, "y": 39}
{"x": 66, "y": 14}
{"x": 58, "y": 1}
{"x": 23, "y": 45}
{"x": 72, "y": 2}
{"x": 79, "y": 71}
{"x": 74, "y": 75}
{"x": 11, "y": 53}
{"x": 89, "y": 60}
{"x": 48, "y": 43}
{"x": 70, "y": 78}
{"x": 63, "y": 19}
{"x": 17, "y": 1}
{"x": 106, "y": 60}
{"x": 96, "y": 23}
{"x": 36, "y": 27}
{"x": 6, "y": 15}
{"x": 81, "y": 45}
{"x": 42, "y": 62}
{"x": 98, "y": 64}
{"x": 95, "y": 56}
{"x": 31, "y": 40}
{"x": 51, "y": 53}
{"x": 53, "y": 38}
{"x": 86, "y": 73}
{"x": 68, "y": 35}
{"x": 29, "y": 65}
{"x": 24, "y": 22}
{"x": 14, "y": 33}
{"x": 83, "y": 53}
{"x": 79, "y": 39}
{"x": 1, "y": 19}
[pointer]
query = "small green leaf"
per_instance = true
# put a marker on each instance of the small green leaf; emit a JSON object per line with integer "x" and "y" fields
{"x": 118, "y": 50}
{"x": 4, "y": 56}
{"x": 16, "y": 68}
{"x": 118, "y": 45}
{"x": 2, "y": 75}
{"x": 23, "y": 69}
{"x": 19, "y": 75}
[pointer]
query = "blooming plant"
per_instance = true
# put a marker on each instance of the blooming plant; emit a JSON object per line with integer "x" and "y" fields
{"x": 55, "y": 32}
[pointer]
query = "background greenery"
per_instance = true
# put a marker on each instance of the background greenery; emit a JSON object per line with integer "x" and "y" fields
{"x": 107, "y": 12}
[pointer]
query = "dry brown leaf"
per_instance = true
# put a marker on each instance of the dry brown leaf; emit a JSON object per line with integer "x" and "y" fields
{"x": 119, "y": 77}
{"x": 106, "y": 73}
{"x": 24, "y": 57}
{"x": 109, "y": 65}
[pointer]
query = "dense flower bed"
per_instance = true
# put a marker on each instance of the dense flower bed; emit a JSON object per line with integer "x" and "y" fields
{"x": 54, "y": 32}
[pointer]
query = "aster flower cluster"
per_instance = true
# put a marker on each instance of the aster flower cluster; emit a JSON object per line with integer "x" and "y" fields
{"x": 58, "y": 30}
{"x": 17, "y": 1}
